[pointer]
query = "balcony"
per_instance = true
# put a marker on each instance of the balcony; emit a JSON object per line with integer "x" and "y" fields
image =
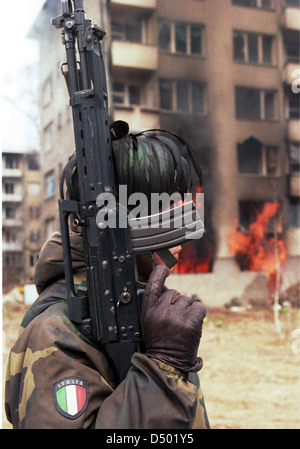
{"x": 295, "y": 185}
{"x": 12, "y": 197}
{"x": 292, "y": 72}
{"x": 11, "y": 173}
{"x": 134, "y": 56}
{"x": 291, "y": 18}
{"x": 138, "y": 118}
{"x": 294, "y": 130}
{"x": 12, "y": 222}
{"x": 293, "y": 242}
{"x": 141, "y": 4}
{"x": 12, "y": 246}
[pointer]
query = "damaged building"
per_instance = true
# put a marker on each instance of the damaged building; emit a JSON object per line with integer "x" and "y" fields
{"x": 225, "y": 76}
{"x": 21, "y": 212}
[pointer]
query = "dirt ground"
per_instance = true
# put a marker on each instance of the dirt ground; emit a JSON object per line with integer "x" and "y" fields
{"x": 251, "y": 374}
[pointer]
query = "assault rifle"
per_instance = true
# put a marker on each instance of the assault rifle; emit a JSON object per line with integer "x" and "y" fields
{"x": 108, "y": 312}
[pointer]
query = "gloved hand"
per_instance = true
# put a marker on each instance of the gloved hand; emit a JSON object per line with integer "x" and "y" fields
{"x": 171, "y": 324}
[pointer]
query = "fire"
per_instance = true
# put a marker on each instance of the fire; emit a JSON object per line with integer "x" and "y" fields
{"x": 192, "y": 259}
{"x": 191, "y": 262}
{"x": 257, "y": 250}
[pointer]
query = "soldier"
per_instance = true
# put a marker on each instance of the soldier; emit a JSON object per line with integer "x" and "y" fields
{"x": 58, "y": 378}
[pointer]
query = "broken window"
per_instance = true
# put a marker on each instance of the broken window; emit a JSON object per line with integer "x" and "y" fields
{"x": 251, "y": 212}
{"x": 256, "y": 239}
{"x": 257, "y": 104}
{"x": 247, "y": 103}
{"x": 255, "y": 158}
{"x": 249, "y": 159}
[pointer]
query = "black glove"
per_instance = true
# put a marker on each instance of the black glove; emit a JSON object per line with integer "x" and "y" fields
{"x": 171, "y": 324}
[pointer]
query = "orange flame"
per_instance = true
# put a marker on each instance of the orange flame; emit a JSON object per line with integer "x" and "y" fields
{"x": 259, "y": 251}
{"x": 189, "y": 260}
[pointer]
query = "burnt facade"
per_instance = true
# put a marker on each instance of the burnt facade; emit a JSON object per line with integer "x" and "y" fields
{"x": 224, "y": 76}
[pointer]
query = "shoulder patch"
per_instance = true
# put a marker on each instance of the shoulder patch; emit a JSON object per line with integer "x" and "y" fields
{"x": 71, "y": 396}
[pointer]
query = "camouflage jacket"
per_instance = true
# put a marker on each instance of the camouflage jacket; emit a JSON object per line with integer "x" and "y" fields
{"x": 56, "y": 378}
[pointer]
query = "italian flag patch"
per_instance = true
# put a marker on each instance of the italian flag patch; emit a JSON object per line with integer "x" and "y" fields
{"x": 70, "y": 396}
